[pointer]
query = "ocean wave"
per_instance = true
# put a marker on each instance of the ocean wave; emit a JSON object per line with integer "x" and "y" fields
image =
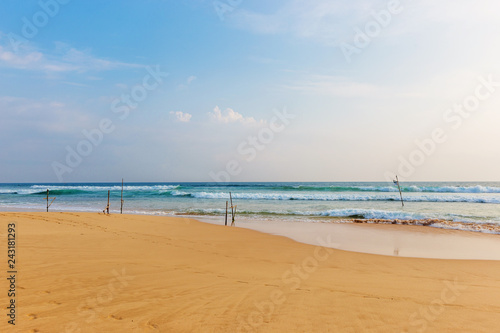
{"x": 60, "y": 192}
{"x": 106, "y": 188}
{"x": 336, "y": 197}
{"x": 366, "y": 216}
{"x": 370, "y": 214}
{"x": 129, "y": 190}
{"x": 334, "y": 188}
{"x": 4, "y": 191}
{"x": 455, "y": 189}
{"x": 284, "y": 190}
{"x": 348, "y": 213}
{"x": 391, "y": 188}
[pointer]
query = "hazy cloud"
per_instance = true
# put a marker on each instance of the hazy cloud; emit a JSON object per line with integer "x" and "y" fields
{"x": 183, "y": 117}
{"x": 63, "y": 58}
{"x": 335, "y": 86}
{"x": 332, "y": 22}
{"x": 43, "y": 116}
{"x": 231, "y": 116}
{"x": 318, "y": 19}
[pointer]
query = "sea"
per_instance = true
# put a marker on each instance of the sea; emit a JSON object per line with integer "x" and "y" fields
{"x": 473, "y": 206}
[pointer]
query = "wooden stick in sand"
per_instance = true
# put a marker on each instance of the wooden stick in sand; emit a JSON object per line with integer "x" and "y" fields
{"x": 106, "y": 210}
{"x": 121, "y": 204}
{"x": 232, "y": 223}
{"x": 53, "y": 198}
{"x": 400, "y": 194}
{"x": 233, "y": 212}
{"x": 225, "y": 223}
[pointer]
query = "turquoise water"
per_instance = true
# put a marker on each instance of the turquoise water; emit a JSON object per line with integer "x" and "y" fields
{"x": 476, "y": 203}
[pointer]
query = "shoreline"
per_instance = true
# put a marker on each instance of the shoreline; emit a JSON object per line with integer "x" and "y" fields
{"x": 412, "y": 241}
{"x": 475, "y": 227}
{"x": 382, "y": 238}
{"x": 92, "y": 272}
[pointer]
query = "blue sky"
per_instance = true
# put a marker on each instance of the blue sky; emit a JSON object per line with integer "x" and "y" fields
{"x": 370, "y": 87}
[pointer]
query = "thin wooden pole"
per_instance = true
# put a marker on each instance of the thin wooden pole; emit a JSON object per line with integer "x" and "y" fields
{"x": 400, "y": 194}
{"x": 107, "y": 208}
{"x": 47, "y": 198}
{"x": 225, "y": 223}
{"x": 121, "y": 202}
{"x": 232, "y": 223}
{"x": 232, "y": 214}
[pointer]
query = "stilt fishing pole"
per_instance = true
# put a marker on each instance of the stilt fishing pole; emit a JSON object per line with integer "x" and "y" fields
{"x": 121, "y": 202}
{"x": 233, "y": 209}
{"x": 399, "y": 187}
{"x": 47, "y": 198}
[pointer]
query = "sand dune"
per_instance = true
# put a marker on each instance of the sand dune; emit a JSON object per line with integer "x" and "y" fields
{"x": 83, "y": 272}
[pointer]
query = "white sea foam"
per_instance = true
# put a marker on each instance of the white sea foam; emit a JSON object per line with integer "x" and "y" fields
{"x": 19, "y": 191}
{"x": 410, "y": 188}
{"x": 106, "y": 188}
{"x": 316, "y": 191}
{"x": 378, "y": 188}
{"x": 7, "y": 191}
{"x": 458, "y": 189}
{"x": 436, "y": 189}
{"x": 372, "y": 214}
{"x": 338, "y": 197}
{"x": 365, "y": 213}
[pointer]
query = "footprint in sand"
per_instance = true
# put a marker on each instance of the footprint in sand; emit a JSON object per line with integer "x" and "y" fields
{"x": 116, "y": 317}
{"x": 34, "y": 330}
{"x": 55, "y": 302}
{"x": 152, "y": 325}
{"x": 32, "y": 316}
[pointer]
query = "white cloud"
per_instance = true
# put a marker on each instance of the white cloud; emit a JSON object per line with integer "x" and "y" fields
{"x": 335, "y": 86}
{"x": 444, "y": 86}
{"x": 12, "y": 59}
{"x": 319, "y": 19}
{"x": 63, "y": 58}
{"x": 189, "y": 80}
{"x": 460, "y": 11}
{"x": 332, "y": 22}
{"x": 43, "y": 116}
{"x": 231, "y": 116}
{"x": 183, "y": 117}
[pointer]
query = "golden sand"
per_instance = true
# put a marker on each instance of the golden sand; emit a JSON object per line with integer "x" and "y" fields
{"x": 83, "y": 272}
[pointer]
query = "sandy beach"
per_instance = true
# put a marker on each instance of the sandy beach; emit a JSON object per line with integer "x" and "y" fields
{"x": 86, "y": 272}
